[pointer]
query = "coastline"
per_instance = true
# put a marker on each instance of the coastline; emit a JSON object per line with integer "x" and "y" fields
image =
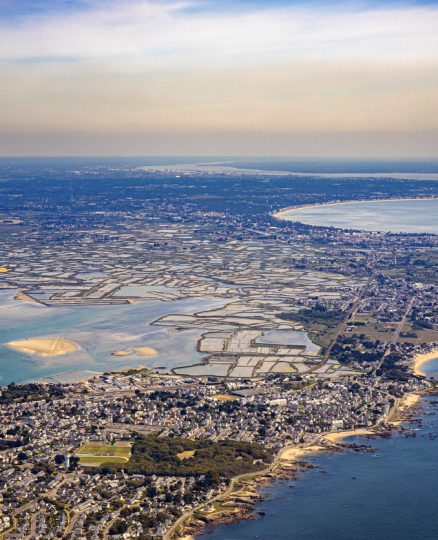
{"x": 238, "y": 504}
{"x": 338, "y": 436}
{"x": 423, "y": 358}
{"x": 279, "y": 214}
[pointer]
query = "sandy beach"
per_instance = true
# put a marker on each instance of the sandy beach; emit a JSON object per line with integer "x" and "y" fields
{"x": 421, "y": 359}
{"x": 293, "y": 453}
{"x": 397, "y": 415}
{"x": 338, "y": 436}
{"x": 137, "y": 351}
{"x": 409, "y": 400}
{"x": 44, "y": 346}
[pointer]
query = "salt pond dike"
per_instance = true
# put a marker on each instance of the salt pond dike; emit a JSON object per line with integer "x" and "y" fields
{"x": 387, "y": 494}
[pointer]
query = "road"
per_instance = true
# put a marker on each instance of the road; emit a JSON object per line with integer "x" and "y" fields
{"x": 71, "y": 524}
{"x": 33, "y": 526}
{"x": 31, "y": 504}
{"x": 23, "y": 508}
{"x": 168, "y": 535}
{"x": 403, "y": 320}
{"x": 349, "y": 315}
{"x": 396, "y": 333}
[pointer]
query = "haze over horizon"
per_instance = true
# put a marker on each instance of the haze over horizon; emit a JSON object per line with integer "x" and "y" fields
{"x": 273, "y": 78}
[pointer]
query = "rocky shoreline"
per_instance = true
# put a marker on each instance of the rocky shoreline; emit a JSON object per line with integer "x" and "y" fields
{"x": 239, "y": 502}
{"x": 240, "y": 506}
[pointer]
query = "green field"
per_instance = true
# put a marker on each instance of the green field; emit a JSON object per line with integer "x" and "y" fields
{"x": 98, "y": 453}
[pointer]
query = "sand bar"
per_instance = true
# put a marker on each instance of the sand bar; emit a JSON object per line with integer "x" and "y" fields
{"x": 137, "y": 351}
{"x": 421, "y": 359}
{"x": 45, "y": 346}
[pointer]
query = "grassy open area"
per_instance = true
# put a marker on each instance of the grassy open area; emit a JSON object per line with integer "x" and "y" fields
{"x": 100, "y": 460}
{"x": 384, "y": 332}
{"x": 98, "y": 453}
{"x": 224, "y": 397}
{"x": 186, "y": 454}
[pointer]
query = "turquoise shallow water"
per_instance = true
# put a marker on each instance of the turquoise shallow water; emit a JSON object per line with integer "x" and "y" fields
{"x": 387, "y": 494}
{"x": 420, "y": 216}
{"x": 99, "y": 331}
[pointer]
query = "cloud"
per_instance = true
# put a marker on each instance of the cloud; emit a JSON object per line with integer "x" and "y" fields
{"x": 143, "y": 32}
{"x": 130, "y": 69}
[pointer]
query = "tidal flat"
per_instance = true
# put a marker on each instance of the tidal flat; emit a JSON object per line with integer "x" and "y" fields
{"x": 99, "y": 331}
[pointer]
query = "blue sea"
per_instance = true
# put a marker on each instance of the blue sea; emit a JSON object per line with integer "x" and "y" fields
{"x": 409, "y": 216}
{"x": 390, "y": 493}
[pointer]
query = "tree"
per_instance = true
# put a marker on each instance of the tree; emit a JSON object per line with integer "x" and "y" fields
{"x": 59, "y": 459}
{"x": 152, "y": 492}
{"x": 119, "y": 527}
{"x": 74, "y": 461}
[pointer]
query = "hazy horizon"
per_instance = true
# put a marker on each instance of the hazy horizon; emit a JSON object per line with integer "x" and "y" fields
{"x": 189, "y": 77}
{"x": 208, "y": 158}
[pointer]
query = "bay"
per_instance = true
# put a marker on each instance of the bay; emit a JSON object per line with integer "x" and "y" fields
{"x": 397, "y": 216}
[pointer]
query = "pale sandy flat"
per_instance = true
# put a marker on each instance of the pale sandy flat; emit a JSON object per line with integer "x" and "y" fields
{"x": 137, "y": 351}
{"x": 421, "y": 359}
{"x": 121, "y": 353}
{"x": 338, "y": 436}
{"x": 292, "y": 453}
{"x": 145, "y": 351}
{"x": 409, "y": 400}
{"x": 44, "y": 346}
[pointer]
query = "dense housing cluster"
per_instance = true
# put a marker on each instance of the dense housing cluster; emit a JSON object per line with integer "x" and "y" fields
{"x": 313, "y": 330}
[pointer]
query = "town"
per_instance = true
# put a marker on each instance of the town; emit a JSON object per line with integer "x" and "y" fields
{"x": 305, "y": 331}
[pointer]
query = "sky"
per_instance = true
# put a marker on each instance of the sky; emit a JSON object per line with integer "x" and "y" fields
{"x": 201, "y": 77}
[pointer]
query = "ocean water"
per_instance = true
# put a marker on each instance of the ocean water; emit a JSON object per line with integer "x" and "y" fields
{"x": 430, "y": 369}
{"x": 390, "y": 493}
{"x": 99, "y": 330}
{"x": 409, "y": 216}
